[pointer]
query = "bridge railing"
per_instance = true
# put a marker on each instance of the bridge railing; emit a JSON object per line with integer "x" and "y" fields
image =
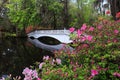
{"x": 51, "y": 32}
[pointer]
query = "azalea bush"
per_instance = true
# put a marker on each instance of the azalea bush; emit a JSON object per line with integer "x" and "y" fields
{"x": 95, "y": 55}
{"x": 103, "y": 48}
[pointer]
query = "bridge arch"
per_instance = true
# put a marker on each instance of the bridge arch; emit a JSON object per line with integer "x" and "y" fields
{"x": 49, "y": 40}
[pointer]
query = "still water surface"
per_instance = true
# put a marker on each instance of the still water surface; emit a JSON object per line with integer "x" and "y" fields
{"x": 17, "y": 53}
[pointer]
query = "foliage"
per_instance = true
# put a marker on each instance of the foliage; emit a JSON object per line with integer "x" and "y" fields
{"x": 83, "y": 12}
{"x": 24, "y": 13}
{"x": 9, "y": 35}
{"x": 22, "y": 16}
{"x": 45, "y": 13}
{"x": 50, "y": 12}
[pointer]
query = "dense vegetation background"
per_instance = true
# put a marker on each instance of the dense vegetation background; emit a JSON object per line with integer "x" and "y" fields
{"x": 21, "y": 16}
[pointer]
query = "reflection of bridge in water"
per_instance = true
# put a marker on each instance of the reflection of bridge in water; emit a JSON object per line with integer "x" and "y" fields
{"x": 50, "y": 48}
{"x": 60, "y": 35}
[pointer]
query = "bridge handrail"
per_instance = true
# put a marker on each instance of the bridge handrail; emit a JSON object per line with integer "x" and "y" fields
{"x": 51, "y": 32}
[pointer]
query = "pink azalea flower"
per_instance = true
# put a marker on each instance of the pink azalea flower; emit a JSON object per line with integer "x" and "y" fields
{"x": 30, "y": 74}
{"x": 34, "y": 74}
{"x": 83, "y": 28}
{"x": 58, "y": 61}
{"x": 91, "y": 29}
{"x": 40, "y": 65}
{"x": 45, "y": 57}
{"x": 39, "y": 79}
{"x": 118, "y": 21}
{"x": 116, "y": 31}
{"x": 85, "y": 45}
{"x": 115, "y": 40}
{"x": 99, "y": 27}
{"x": 83, "y": 38}
{"x": 108, "y": 12}
{"x": 94, "y": 72}
{"x": 53, "y": 61}
{"x": 118, "y": 15}
{"x": 72, "y": 29}
{"x": 89, "y": 37}
{"x": 26, "y": 71}
{"x": 116, "y": 74}
{"x": 119, "y": 67}
{"x": 28, "y": 78}
{"x": 79, "y": 32}
{"x": 74, "y": 69}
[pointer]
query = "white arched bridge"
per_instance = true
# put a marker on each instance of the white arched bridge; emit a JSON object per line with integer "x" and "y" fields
{"x": 60, "y": 35}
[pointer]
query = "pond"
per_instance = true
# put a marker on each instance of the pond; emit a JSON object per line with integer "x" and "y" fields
{"x": 18, "y": 53}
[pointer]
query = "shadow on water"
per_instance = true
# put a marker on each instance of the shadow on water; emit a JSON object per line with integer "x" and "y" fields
{"x": 49, "y": 44}
{"x": 16, "y": 54}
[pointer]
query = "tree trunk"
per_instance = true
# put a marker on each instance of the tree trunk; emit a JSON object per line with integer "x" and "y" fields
{"x": 55, "y": 21}
{"x": 115, "y": 7}
{"x": 65, "y": 19}
{"x": 118, "y": 5}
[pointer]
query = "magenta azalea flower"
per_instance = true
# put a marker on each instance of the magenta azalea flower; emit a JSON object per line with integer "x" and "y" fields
{"x": 39, "y": 79}
{"x": 99, "y": 27}
{"x": 89, "y": 38}
{"x": 94, "y": 72}
{"x": 79, "y": 32}
{"x": 83, "y": 38}
{"x": 116, "y": 31}
{"x": 116, "y": 74}
{"x": 83, "y": 28}
{"x": 91, "y": 29}
{"x": 118, "y": 15}
{"x": 108, "y": 12}
{"x": 72, "y": 29}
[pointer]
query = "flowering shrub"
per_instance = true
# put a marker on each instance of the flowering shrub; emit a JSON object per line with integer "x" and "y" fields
{"x": 30, "y": 74}
{"x": 102, "y": 50}
{"x": 56, "y": 69}
{"x": 108, "y": 12}
{"x": 118, "y": 15}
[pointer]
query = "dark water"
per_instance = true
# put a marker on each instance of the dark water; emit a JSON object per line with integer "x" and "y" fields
{"x": 18, "y": 53}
